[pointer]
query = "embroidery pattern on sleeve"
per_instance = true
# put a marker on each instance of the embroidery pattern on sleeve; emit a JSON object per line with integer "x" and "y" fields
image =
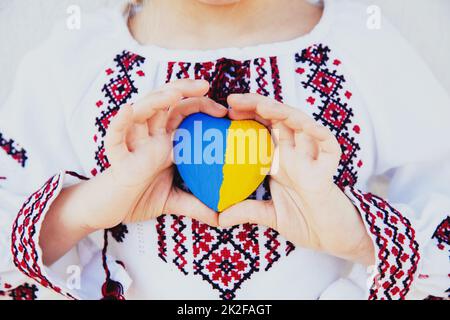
{"x": 398, "y": 251}
{"x": 24, "y": 244}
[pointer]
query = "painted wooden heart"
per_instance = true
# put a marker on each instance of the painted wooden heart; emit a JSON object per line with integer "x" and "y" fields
{"x": 222, "y": 161}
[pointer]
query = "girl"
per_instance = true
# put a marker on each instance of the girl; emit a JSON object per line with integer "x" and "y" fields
{"x": 87, "y": 132}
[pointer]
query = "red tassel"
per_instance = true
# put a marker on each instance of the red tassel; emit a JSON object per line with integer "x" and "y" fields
{"x": 112, "y": 290}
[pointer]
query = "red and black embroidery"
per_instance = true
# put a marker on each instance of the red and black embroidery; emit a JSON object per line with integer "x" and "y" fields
{"x": 13, "y": 150}
{"x": 433, "y": 298}
{"x": 289, "y": 247}
{"x": 260, "y": 64}
{"x": 24, "y": 292}
{"x": 118, "y": 91}
{"x": 77, "y": 175}
{"x": 161, "y": 232}
{"x": 23, "y": 246}
{"x": 325, "y": 90}
{"x": 183, "y": 72}
{"x": 225, "y": 258}
{"x": 276, "y": 82}
{"x": 227, "y": 77}
{"x": 397, "y": 248}
{"x": 272, "y": 244}
{"x": 119, "y": 232}
{"x": 179, "y": 239}
{"x": 111, "y": 289}
{"x": 442, "y": 234}
{"x": 121, "y": 87}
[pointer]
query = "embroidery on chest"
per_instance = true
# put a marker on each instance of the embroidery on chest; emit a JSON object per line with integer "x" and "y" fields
{"x": 24, "y": 292}
{"x": 329, "y": 100}
{"x": 118, "y": 91}
{"x": 226, "y": 258}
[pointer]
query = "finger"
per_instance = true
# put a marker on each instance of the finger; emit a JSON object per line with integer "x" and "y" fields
{"x": 254, "y": 106}
{"x": 306, "y": 146}
{"x": 293, "y": 119}
{"x": 317, "y": 131}
{"x": 182, "y": 203}
{"x": 169, "y": 95}
{"x": 264, "y": 107}
{"x": 283, "y": 135}
{"x": 188, "y": 88}
{"x": 249, "y": 211}
{"x": 115, "y": 140}
{"x": 326, "y": 139}
{"x": 157, "y": 124}
{"x": 137, "y": 131}
{"x": 244, "y": 115}
{"x": 269, "y": 109}
{"x": 297, "y": 120}
{"x": 160, "y": 100}
{"x": 135, "y": 134}
{"x": 193, "y": 105}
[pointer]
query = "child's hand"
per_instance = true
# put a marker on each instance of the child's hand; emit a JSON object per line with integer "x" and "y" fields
{"x": 139, "y": 148}
{"x": 138, "y": 185}
{"x": 307, "y": 208}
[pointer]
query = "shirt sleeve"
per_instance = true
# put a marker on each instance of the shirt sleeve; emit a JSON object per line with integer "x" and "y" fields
{"x": 409, "y": 111}
{"x": 37, "y": 161}
{"x": 411, "y": 243}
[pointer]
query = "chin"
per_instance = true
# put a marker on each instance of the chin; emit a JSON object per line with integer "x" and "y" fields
{"x": 219, "y": 2}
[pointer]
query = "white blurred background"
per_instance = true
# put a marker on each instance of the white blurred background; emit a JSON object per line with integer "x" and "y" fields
{"x": 25, "y": 23}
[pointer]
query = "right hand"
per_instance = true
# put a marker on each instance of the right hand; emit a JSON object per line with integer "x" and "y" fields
{"x": 139, "y": 148}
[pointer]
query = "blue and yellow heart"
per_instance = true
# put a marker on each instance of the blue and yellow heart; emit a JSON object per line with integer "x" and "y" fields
{"x": 222, "y": 161}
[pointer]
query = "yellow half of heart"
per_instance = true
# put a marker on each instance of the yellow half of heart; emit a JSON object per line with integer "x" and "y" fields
{"x": 248, "y": 159}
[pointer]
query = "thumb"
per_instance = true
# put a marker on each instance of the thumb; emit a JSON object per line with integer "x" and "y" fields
{"x": 249, "y": 211}
{"x": 115, "y": 140}
{"x": 181, "y": 203}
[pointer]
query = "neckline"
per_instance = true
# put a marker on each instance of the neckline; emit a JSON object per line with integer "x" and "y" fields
{"x": 238, "y": 53}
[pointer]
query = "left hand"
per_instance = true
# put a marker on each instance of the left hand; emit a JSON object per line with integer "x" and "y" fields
{"x": 307, "y": 208}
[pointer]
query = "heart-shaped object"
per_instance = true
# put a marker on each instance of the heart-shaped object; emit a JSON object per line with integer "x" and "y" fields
{"x": 222, "y": 161}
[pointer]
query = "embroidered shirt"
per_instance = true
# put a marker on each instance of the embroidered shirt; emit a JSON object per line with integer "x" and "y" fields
{"x": 368, "y": 87}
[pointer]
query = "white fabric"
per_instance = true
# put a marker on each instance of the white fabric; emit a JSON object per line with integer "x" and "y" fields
{"x": 25, "y": 24}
